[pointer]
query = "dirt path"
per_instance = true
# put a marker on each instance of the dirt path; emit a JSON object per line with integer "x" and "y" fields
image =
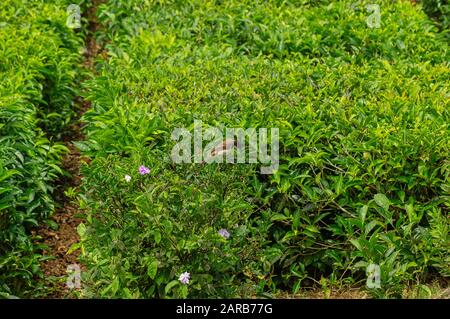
{"x": 68, "y": 215}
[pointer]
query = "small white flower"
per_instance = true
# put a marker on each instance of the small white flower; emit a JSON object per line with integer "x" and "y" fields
{"x": 224, "y": 233}
{"x": 184, "y": 278}
{"x": 128, "y": 178}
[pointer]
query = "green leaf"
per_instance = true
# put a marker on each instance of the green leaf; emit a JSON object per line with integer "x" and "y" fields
{"x": 170, "y": 285}
{"x": 157, "y": 236}
{"x": 168, "y": 227}
{"x": 312, "y": 229}
{"x": 382, "y": 201}
{"x": 8, "y": 174}
{"x": 361, "y": 264}
{"x": 115, "y": 285}
{"x": 275, "y": 217}
{"x": 52, "y": 224}
{"x": 363, "y": 213}
{"x": 152, "y": 268}
{"x": 81, "y": 230}
{"x": 73, "y": 248}
{"x": 356, "y": 243}
{"x": 411, "y": 213}
{"x": 82, "y": 146}
{"x": 371, "y": 225}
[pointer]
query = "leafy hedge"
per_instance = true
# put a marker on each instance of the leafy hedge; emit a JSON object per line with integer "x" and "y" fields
{"x": 39, "y": 61}
{"x": 439, "y": 10}
{"x": 364, "y": 139}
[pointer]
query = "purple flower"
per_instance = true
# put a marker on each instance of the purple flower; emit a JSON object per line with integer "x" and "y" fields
{"x": 224, "y": 233}
{"x": 184, "y": 278}
{"x": 143, "y": 170}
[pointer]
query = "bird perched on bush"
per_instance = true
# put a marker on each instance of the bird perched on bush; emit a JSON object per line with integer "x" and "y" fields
{"x": 223, "y": 148}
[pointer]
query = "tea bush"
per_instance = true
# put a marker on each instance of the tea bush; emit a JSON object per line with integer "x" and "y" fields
{"x": 440, "y": 11}
{"x": 364, "y": 139}
{"x": 39, "y": 61}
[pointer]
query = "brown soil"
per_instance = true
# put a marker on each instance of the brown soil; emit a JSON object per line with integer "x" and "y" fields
{"x": 67, "y": 214}
{"x": 438, "y": 288}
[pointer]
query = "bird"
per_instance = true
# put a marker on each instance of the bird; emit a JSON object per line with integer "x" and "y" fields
{"x": 223, "y": 148}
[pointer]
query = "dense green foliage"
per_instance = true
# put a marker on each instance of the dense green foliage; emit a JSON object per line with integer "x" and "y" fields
{"x": 38, "y": 66}
{"x": 440, "y": 11}
{"x": 364, "y": 139}
{"x": 364, "y": 144}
